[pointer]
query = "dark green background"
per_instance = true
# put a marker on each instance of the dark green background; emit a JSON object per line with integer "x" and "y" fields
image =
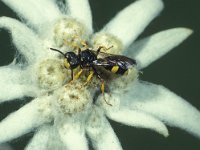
{"x": 178, "y": 70}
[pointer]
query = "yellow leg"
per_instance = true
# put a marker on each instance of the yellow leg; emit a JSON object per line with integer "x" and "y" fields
{"x": 102, "y": 90}
{"x": 103, "y": 47}
{"x": 102, "y": 87}
{"x": 78, "y": 74}
{"x": 84, "y": 43}
{"x": 75, "y": 46}
{"x": 89, "y": 77}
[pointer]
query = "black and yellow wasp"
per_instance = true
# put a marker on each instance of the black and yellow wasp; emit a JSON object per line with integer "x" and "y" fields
{"x": 90, "y": 59}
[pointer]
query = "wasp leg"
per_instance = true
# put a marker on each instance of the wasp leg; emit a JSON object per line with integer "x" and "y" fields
{"x": 72, "y": 78}
{"x": 102, "y": 85}
{"x": 73, "y": 45}
{"x": 84, "y": 44}
{"x": 103, "y": 88}
{"x": 103, "y": 47}
{"x": 103, "y": 92}
{"x": 79, "y": 51}
{"x": 89, "y": 77}
{"x": 77, "y": 75}
{"x": 72, "y": 74}
{"x": 76, "y": 46}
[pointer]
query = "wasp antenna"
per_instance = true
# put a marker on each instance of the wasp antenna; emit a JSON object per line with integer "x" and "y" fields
{"x": 53, "y": 49}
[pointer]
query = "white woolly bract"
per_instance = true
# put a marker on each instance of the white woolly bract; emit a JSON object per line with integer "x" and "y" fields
{"x": 73, "y": 136}
{"x": 15, "y": 83}
{"x": 138, "y": 119}
{"x": 25, "y": 40}
{"x": 132, "y": 20}
{"x": 100, "y": 132}
{"x": 150, "y": 49}
{"x": 164, "y": 105}
{"x": 33, "y": 11}
{"x": 80, "y": 9}
{"x": 40, "y": 139}
{"x": 25, "y": 119}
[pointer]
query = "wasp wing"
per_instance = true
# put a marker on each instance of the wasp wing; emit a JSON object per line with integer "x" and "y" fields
{"x": 115, "y": 60}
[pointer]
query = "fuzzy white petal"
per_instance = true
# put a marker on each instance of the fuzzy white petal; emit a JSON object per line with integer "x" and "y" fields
{"x": 165, "y": 105}
{"x": 15, "y": 91}
{"x": 138, "y": 119}
{"x": 132, "y": 20}
{"x": 25, "y": 119}
{"x": 12, "y": 74}
{"x": 101, "y": 133}
{"x": 15, "y": 83}
{"x": 46, "y": 138}
{"x": 54, "y": 141}
{"x": 150, "y": 49}
{"x": 24, "y": 39}
{"x": 36, "y": 12}
{"x": 80, "y": 9}
{"x": 73, "y": 136}
{"x": 40, "y": 139}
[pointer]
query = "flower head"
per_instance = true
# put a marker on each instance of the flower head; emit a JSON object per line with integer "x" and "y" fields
{"x": 66, "y": 112}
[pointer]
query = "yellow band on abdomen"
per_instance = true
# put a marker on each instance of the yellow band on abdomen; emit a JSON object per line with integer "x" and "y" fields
{"x": 114, "y": 69}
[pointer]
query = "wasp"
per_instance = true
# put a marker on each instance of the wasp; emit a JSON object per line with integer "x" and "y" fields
{"x": 93, "y": 59}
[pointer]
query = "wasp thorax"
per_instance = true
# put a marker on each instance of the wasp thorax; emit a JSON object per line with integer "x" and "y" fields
{"x": 51, "y": 74}
{"x": 110, "y": 42}
{"x": 69, "y": 32}
{"x": 73, "y": 98}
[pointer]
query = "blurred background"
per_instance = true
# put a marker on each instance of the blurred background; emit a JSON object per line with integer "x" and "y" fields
{"x": 178, "y": 70}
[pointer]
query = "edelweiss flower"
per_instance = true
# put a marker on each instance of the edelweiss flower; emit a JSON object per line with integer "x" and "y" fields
{"x": 65, "y": 113}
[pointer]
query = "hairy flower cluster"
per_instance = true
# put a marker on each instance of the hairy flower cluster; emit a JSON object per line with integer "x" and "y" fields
{"x": 65, "y": 111}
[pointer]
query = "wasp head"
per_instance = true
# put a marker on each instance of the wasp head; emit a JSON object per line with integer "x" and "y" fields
{"x": 71, "y": 60}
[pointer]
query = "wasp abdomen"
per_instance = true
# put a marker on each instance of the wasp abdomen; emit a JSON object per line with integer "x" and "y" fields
{"x": 119, "y": 64}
